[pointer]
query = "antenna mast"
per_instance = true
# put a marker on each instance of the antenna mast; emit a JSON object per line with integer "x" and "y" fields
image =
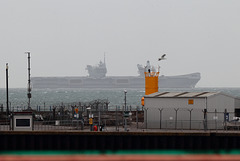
{"x": 29, "y": 82}
{"x": 7, "y": 89}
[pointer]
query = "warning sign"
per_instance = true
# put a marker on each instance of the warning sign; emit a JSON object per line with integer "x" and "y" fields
{"x": 90, "y": 121}
{"x": 190, "y": 102}
{"x": 76, "y": 110}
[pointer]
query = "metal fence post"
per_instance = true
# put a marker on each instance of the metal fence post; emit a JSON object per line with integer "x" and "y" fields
{"x": 160, "y": 122}
{"x": 72, "y": 112}
{"x": 176, "y": 109}
{"x": 215, "y": 119}
{"x": 226, "y": 118}
{"x": 2, "y": 109}
{"x": 117, "y": 119}
{"x": 205, "y": 119}
{"x": 99, "y": 116}
{"x": 123, "y": 116}
{"x": 137, "y": 116}
{"x": 190, "y": 112}
{"x": 146, "y": 109}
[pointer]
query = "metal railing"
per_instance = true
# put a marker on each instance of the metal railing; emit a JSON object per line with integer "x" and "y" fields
{"x": 58, "y": 125}
{"x": 189, "y": 125}
{"x": 139, "y": 120}
{"x": 166, "y": 125}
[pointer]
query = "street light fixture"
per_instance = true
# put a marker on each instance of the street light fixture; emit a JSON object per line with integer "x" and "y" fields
{"x": 90, "y": 118}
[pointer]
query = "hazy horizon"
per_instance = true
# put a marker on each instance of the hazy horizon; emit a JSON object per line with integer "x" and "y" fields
{"x": 65, "y": 36}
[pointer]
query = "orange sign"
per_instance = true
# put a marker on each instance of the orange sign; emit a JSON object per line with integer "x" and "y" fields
{"x": 190, "y": 102}
{"x": 142, "y": 101}
{"x": 76, "y": 110}
{"x": 90, "y": 121}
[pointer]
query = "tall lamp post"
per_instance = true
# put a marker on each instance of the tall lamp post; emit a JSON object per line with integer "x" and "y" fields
{"x": 90, "y": 118}
{"x": 125, "y": 110}
{"x": 29, "y": 82}
{"x": 7, "y": 89}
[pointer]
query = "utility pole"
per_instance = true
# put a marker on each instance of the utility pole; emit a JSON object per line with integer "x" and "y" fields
{"x": 29, "y": 82}
{"x": 7, "y": 112}
{"x": 125, "y": 110}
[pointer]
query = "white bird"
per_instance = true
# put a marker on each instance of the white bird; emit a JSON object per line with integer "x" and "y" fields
{"x": 162, "y": 57}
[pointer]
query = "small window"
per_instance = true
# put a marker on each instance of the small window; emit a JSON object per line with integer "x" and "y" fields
{"x": 23, "y": 122}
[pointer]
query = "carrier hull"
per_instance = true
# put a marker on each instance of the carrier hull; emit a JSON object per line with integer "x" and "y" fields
{"x": 181, "y": 81}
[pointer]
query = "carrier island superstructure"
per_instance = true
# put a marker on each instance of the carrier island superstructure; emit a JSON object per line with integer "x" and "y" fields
{"x": 97, "y": 79}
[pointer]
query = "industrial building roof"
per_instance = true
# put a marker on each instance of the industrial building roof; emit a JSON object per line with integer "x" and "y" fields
{"x": 183, "y": 94}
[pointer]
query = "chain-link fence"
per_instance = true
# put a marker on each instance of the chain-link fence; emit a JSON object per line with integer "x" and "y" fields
{"x": 77, "y": 117}
{"x": 189, "y": 119}
{"x": 127, "y": 119}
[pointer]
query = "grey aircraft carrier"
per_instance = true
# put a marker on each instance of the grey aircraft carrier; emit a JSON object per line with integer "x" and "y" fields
{"x": 97, "y": 79}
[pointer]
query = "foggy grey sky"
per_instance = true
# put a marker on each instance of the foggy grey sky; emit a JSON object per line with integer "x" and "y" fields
{"x": 64, "y": 36}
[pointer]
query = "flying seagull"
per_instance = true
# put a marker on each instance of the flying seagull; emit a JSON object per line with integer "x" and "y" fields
{"x": 162, "y": 58}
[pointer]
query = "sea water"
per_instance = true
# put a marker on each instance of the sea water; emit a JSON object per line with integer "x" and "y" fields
{"x": 45, "y": 98}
